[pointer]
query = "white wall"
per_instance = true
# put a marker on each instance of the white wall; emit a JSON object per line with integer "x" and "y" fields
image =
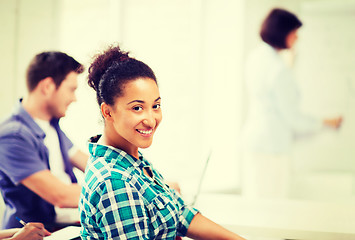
{"x": 25, "y": 30}
{"x": 326, "y": 73}
{"x": 7, "y": 47}
{"x": 196, "y": 50}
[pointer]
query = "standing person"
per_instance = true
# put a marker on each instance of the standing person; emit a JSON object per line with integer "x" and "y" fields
{"x": 37, "y": 158}
{"x": 124, "y": 196}
{"x": 274, "y": 117}
{"x": 31, "y": 231}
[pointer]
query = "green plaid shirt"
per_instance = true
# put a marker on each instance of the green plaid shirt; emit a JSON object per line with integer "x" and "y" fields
{"x": 118, "y": 201}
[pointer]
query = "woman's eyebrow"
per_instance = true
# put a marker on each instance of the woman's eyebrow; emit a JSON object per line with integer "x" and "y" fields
{"x": 141, "y": 101}
{"x": 138, "y": 101}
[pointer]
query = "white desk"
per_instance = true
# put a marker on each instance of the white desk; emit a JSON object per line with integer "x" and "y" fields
{"x": 288, "y": 219}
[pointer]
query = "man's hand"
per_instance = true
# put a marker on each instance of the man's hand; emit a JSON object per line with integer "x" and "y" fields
{"x": 31, "y": 231}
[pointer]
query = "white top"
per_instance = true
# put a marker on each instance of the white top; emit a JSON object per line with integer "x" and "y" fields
{"x": 274, "y": 116}
{"x": 56, "y": 161}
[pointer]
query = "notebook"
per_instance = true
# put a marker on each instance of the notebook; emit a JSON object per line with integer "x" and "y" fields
{"x": 67, "y": 233}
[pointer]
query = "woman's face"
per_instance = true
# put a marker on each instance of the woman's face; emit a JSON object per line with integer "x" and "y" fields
{"x": 136, "y": 115}
{"x": 291, "y": 38}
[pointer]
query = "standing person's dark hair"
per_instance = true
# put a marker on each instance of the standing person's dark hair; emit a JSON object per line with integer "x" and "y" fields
{"x": 277, "y": 25}
{"x": 52, "y": 64}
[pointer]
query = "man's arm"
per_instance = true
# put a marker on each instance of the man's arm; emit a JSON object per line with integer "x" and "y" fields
{"x": 79, "y": 160}
{"x": 32, "y": 231}
{"x": 54, "y": 191}
{"x": 7, "y": 233}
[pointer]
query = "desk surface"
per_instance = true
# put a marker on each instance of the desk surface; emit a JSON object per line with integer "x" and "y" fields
{"x": 288, "y": 219}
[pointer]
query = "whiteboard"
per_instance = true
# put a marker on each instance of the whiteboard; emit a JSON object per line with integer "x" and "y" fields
{"x": 325, "y": 70}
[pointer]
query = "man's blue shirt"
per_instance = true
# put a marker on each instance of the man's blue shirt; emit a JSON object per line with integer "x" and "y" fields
{"x": 22, "y": 154}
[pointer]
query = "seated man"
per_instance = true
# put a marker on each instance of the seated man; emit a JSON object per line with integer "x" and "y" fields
{"x": 37, "y": 158}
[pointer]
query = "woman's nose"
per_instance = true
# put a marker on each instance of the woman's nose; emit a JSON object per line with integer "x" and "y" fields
{"x": 146, "y": 122}
{"x": 149, "y": 120}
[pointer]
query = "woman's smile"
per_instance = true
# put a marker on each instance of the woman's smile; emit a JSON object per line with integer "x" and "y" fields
{"x": 145, "y": 133}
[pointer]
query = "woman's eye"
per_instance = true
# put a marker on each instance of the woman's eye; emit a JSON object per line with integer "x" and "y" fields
{"x": 137, "y": 108}
{"x": 156, "y": 106}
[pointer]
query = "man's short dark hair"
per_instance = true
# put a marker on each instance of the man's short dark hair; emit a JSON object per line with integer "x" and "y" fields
{"x": 56, "y": 65}
{"x": 277, "y": 25}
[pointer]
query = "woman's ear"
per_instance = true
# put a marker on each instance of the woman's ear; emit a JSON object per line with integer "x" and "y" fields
{"x": 106, "y": 111}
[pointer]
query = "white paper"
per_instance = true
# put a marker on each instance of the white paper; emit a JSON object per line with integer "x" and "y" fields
{"x": 66, "y": 233}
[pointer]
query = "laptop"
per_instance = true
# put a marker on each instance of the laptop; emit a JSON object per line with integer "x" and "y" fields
{"x": 201, "y": 179}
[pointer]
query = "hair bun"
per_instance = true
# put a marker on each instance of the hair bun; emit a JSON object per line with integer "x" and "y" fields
{"x": 111, "y": 70}
{"x": 102, "y": 62}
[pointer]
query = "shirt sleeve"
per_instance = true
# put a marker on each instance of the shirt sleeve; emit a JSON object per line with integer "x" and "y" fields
{"x": 21, "y": 156}
{"x": 287, "y": 98}
{"x": 186, "y": 214}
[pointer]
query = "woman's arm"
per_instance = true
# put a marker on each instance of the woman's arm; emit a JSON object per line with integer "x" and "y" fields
{"x": 201, "y": 228}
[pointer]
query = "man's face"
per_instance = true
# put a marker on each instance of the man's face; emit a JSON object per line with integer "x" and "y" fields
{"x": 63, "y": 96}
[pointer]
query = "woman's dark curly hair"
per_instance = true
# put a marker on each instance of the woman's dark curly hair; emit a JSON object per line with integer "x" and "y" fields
{"x": 111, "y": 70}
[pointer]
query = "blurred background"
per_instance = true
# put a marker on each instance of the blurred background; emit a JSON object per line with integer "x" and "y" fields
{"x": 197, "y": 49}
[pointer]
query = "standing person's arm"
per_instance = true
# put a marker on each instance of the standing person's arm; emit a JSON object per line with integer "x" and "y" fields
{"x": 288, "y": 101}
{"x": 201, "y": 228}
{"x": 287, "y": 98}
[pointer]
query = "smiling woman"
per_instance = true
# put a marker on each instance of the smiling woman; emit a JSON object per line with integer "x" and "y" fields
{"x": 124, "y": 196}
{"x": 134, "y": 117}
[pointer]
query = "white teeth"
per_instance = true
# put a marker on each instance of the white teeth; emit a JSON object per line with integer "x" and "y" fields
{"x": 146, "y": 131}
